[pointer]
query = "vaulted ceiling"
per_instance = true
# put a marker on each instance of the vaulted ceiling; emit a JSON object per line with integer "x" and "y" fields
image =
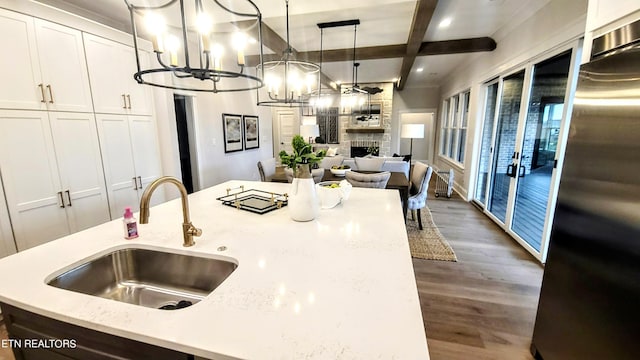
{"x": 407, "y": 40}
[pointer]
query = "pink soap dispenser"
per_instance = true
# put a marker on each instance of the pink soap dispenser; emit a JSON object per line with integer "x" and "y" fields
{"x": 130, "y": 225}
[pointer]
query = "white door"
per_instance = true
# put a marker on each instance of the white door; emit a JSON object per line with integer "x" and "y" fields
{"x": 146, "y": 154}
{"x": 21, "y": 70}
{"x": 286, "y": 130}
{"x": 105, "y": 60}
{"x": 139, "y": 96}
{"x": 80, "y": 165}
{"x": 30, "y": 178}
{"x": 117, "y": 157}
{"x": 64, "y": 68}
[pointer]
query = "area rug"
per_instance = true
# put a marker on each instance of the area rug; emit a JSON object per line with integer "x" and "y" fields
{"x": 428, "y": 243}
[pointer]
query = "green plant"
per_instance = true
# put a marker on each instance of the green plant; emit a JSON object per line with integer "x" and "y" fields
{"x": 302, "y": 154}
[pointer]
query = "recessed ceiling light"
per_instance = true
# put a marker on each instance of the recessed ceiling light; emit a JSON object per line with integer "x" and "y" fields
{"x": 420, "y": 69}
{"x": 445, "y": 23}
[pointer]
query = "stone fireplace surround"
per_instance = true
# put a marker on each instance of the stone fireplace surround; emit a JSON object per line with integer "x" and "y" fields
{"x": 383, "y": 140}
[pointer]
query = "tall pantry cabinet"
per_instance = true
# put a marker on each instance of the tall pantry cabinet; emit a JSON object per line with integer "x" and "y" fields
{"x": 52, "y": 174}
{"x": 54, "y": 155}
{"x": 128, "y": 140}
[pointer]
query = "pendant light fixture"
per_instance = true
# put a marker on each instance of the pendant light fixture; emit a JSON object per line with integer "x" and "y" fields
{"x": 176, "y": 24}
{"x": 288, "y": 82}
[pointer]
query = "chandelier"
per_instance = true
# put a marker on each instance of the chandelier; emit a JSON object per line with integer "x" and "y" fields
{"x": 288, "y": 82}
{"x": 353, "y": 98}
{"x": 186, "y": 47}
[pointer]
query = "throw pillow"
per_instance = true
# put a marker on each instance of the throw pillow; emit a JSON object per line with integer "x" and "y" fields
{"x": 406, "y": 158}
{"x": 369, "y": 164}
{"x": 332, "y": 151}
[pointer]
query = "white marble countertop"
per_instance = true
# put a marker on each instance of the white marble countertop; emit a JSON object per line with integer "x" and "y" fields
{"x": 338, "y": 287}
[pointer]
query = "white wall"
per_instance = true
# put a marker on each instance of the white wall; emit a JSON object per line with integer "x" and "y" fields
{"x": 554, "y": 25}
{"x": 214, "y": 166}
{"x": 423, "y": 149}
{"x": 411, "y": 100}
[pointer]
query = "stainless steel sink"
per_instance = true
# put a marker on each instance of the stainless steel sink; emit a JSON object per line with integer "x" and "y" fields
{"x": 148, "y": 278}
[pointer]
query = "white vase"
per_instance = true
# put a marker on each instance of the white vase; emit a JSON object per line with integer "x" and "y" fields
{"x": 303, "y": 200}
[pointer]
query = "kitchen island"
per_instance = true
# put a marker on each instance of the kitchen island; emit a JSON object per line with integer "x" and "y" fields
{"x": 338, "y": 287}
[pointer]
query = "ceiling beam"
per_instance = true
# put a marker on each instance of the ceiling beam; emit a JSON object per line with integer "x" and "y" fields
{"x": 457, "y": 46}
{"x": 391, "y": 51}
{"x": 421, "y": 19}
{"x": 278, "y": 45}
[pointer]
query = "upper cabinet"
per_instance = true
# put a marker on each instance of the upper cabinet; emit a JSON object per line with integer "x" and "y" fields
{"x": 111, "y": 68}
{"x": 46, "y": 69}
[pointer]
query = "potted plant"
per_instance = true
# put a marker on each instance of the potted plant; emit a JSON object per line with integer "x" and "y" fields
{"x": 302, "y": 159}
{"x": 303, "y": 201}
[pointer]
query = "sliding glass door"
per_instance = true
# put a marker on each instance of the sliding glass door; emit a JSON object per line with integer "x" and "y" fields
{"x": 525, "y": 118}
{"x": 538, "y": 149}
{"x": 505, "y": 145}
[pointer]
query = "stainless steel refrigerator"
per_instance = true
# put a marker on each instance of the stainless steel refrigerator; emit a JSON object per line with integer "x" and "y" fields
{"x": 590, "y": 298}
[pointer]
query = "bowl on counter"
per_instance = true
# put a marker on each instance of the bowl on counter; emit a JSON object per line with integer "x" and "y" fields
{"x": 341, "y": 170}
{"x": 332, "y": 193}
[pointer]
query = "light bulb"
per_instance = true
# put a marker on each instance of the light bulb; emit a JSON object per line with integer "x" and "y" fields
{"x": 173, "y": 44}
{"x": 156, "y": 26}
{"x": 239, "y": 43}
{"x": 217, "y": 50}
{"x": 204, "y": 24}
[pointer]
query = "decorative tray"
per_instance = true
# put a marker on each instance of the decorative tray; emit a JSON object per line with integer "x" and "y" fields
{"x": 257, "y": 201}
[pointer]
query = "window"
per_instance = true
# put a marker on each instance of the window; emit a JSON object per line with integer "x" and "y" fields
{"x": 453, "y": 134}
{"x": 327, "y": 120}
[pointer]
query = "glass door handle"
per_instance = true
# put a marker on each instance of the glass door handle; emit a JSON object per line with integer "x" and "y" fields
{"x": 523, "y": 171}
{"x": 511, "y": 170}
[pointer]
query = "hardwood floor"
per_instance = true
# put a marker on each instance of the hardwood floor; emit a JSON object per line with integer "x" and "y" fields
{"x": 484, "y": 305}
{"x": 481, "y": 307}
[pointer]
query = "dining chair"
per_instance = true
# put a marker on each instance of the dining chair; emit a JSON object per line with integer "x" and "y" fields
{"x": 418, "y": 187}
{"x": 376, "y": 180}
{"x": 267, "y": 168}
{"x": 316, "y": 174}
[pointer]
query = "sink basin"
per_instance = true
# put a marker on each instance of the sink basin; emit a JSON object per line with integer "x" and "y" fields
{"x": 148, "y": 278}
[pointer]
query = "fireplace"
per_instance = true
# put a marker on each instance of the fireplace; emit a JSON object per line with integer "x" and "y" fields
{"x": 361, "y": 148}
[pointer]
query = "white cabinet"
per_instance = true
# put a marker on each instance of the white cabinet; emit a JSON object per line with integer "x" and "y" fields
{"x": 111, "y": 68}
{"x": 52, "y": 174}
{"x": 45, "y": 65}
{"x": 131, "y": 159}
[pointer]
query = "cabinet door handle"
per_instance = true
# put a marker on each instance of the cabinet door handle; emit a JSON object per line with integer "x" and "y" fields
{"x": 68, "y": 197}
{"x": 50, "y": 94}
{"x": 61, "y": 199}
{"x": 135, "y": 183}
{"x": 129, "y": 98}
{"x": 41, "y": 86}
{"x": 124, "y": 101}
{"x": 140, "y": 181}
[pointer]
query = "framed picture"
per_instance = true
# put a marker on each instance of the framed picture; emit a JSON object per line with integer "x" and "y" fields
{"x": 251, "y": 132}
{"x": 232, "y": 130}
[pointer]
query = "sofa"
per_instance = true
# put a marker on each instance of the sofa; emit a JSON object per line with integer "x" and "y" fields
{"x": 386, "y": 163}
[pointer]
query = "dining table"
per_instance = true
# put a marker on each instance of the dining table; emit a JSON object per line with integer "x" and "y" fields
{"x": 397, "y": 181}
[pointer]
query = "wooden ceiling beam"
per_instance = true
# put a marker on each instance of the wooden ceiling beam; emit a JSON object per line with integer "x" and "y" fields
{"x": 391, "y": 51}
{"x": 421, "y": 19}
{"x": 457, "y": 46}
